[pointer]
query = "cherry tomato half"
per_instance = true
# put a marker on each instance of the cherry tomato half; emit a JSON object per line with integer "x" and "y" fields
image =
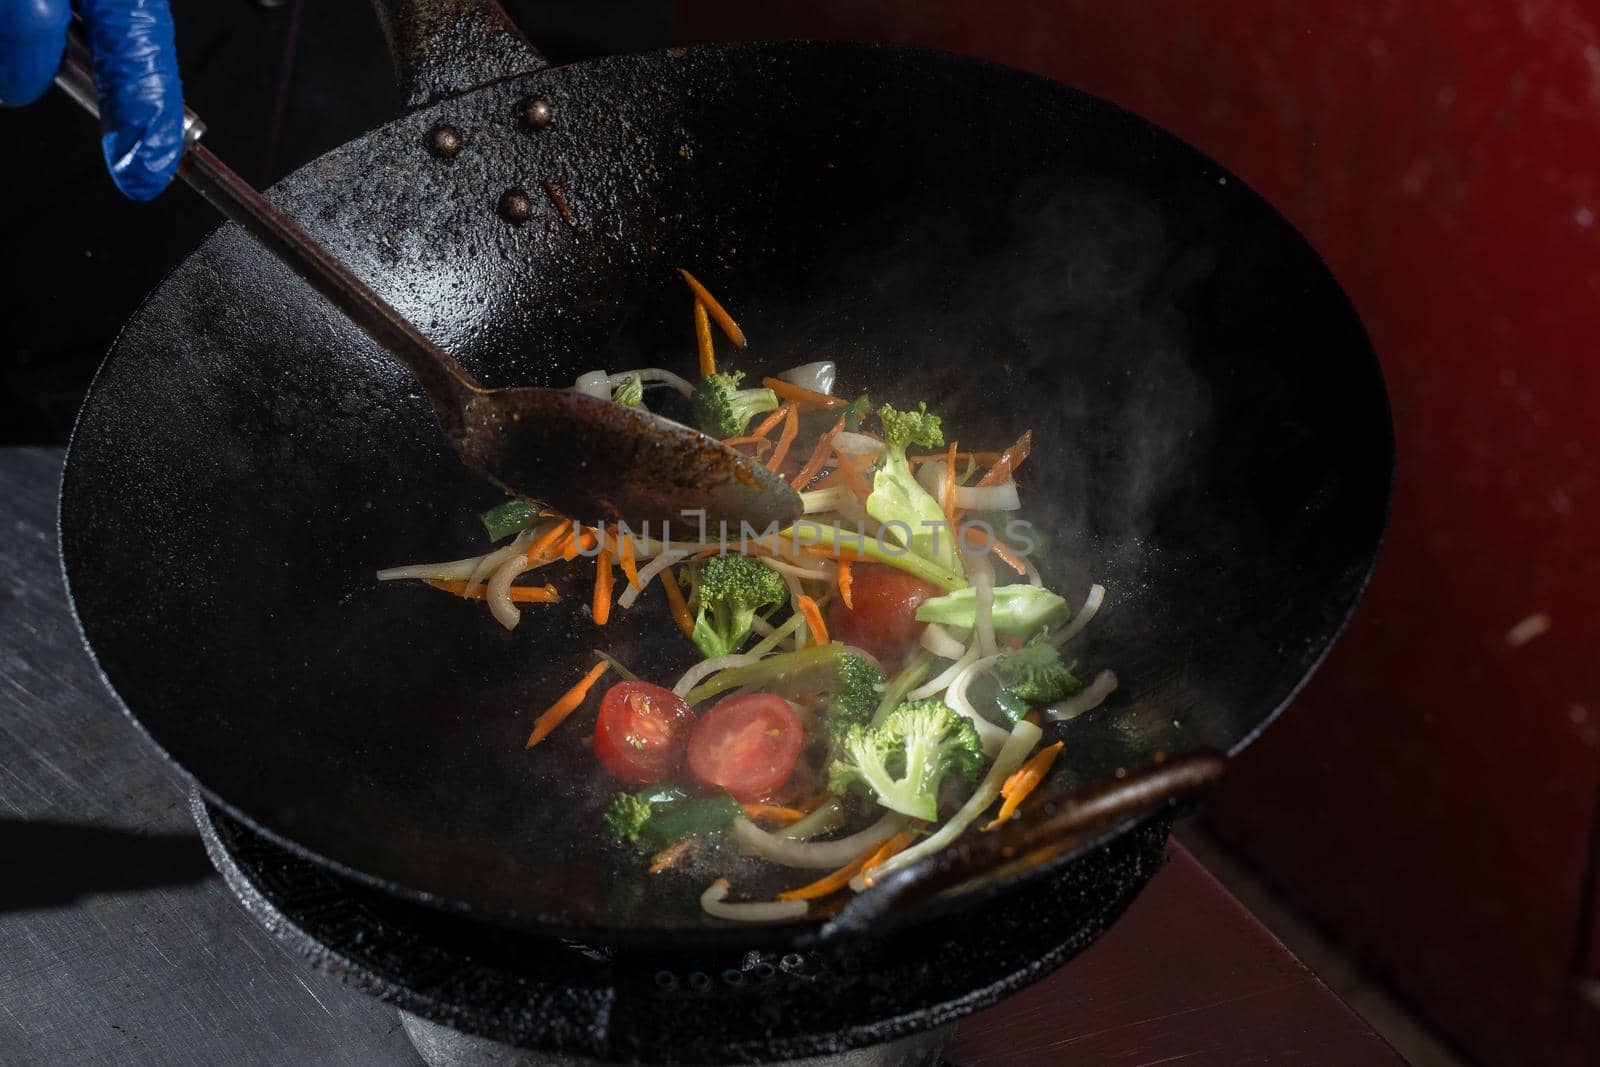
{"x": 746, "y": 745}
{"x": 884, "y": 618}
{"x": 641, "y": 732}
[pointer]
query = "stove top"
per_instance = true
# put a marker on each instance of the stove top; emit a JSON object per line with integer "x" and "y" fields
{"x": 470, "y": 993}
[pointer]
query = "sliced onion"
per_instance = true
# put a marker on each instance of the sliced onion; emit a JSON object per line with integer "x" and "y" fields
{"x": 931, "y": 477}
{"x": 654, "y": 376}
{"x": 762, "y": 626}
{"x": 454, "y": 571}
{"x": 1002, "y": 497}
{"x": 1034, "y": 578}
{"x": 1086, "y": 699}
{"x": 756, "y": 911}
{"x": 940, "y": 682}
{"x": 816, "y": 574}
{"x": 595, "y": 383}
{"x": 989, "y": 734}
{"x": 825, "y": 818}
{"x": 707, "y": 667}
{"x": 802, "y": 633}
{"x": 817, "y": 377}
{"x": 647, "y": 574}
{"x": 1091, "y": 606}
{"x": 816, "y": 855}
{"x": 498, "y": 594}
{"x": 487, "y": 565}
{"x": 856, "y": 444}
{"x": 1013, "y": 751}
{"x": 830, "y": 499}
{"x": 981, "y": 573}
{"x": 941, "y": 642}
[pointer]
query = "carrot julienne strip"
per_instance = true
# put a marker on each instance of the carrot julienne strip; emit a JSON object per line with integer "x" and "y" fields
{"x": 845, "y": 579}
{"x": 748, "y": 439}
{"x": 895, "y": 844}
{"x": 569, "y": 702}
{"x": 776, "y": 812}
{"x": 625, "y": 557}
{"x": 791, "y": 427}
{"x": 602, "y": 587}
{"x": 1008, "y": 461}
{"x": 675, "y": 601}
{"x": 982, "y": 459}
{"x": 852, "y": 474}
{"x": 765, "y": 426}
{"x": 547, "y": 541}
{"x": 1025, "y": 780}
{"x": 1003, "y": 550}
{"x": 670, "y": 855}
{"x": 813, "y": 616}
{"x": 818, "y": 456}
{"x": 949, "y": 488}
{"x": 800, "y": 396}
{"x": 702, "y": 338}
{"x": 724, "y": 320}
{"x": 520, "y": 594}
{"x": 830, "y": 883}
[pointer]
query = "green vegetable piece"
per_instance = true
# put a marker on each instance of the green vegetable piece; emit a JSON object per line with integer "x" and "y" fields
{"x": 722, "y": 409}
{"x": 625, "y": 817}
{"x": 630, "y": 394}
{"x": 1019, "y": 610}
{"x": 508, "y": 519}
{"x": 898, "y": 498}
{"x": 729, "y": 591}
{"x": 904, "y": 761}
{"x": 1034, "y": 674}
{"x": 688, "y": 818}
{"x": 857, "y": 412}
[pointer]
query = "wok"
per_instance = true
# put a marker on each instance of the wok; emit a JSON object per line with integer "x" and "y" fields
{"x": 1211, "y": 433}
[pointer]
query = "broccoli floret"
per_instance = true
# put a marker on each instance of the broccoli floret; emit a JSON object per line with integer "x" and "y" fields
{"x": 630, "y": 394}
{"x": 904, "y": 760}
{"x": 897, "y": 497}
{"x": 1019, "y": 610}
{"x": 729, "y": 592}
{"x": 626, "y": 815}
{"x": 723, "y": 409}
{"x": 1033, "y": 674}
{"x": 852, "y": 696}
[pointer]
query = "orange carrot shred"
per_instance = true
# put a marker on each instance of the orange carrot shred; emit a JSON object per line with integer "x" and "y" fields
{"x": 845, "y": 582}
{"x": 541, "y": 547}
{"x": 830, "y": 883}
{"x": 670, "y": 855}
{"x": 894, "y": 845}
{"x": 1003, "y": 550}
{"x": 791, "y": 427}
{"x": 819, "y": 455}
{"x": 802, "y": 397}
{"x": 1025, "y": 780}
{"x": 949, "y": 488}
{"x": 602, "y": 587}
{"x": 774, "y": 812}
{"x": 724, "y": 320}
{"x": 625, "y": 557}
{"x": 982, "y": 459}
{"x": 1008, "y": 461}
{"x": 570, "y": 701}
{"x": 749, "y": 439}
{"x": 852, "y": 475}
{"x": 702, "y": 338}
{"x": 813, "y": 616}
{"x": 675, "y": 601}
{"x": 765, "y": 426}
{"x": 521, "y": 594}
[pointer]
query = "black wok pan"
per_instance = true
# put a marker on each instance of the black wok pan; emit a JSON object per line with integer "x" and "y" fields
{"x": 1212, "y": 437}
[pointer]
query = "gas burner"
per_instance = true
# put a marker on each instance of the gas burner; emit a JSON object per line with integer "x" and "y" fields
{"x": 476, "y": 994}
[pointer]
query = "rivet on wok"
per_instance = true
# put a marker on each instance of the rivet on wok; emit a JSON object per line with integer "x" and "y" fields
{"x": 515, "y": 207}
{"x": 444, "y": 141}
{"x": 535, "y": 113}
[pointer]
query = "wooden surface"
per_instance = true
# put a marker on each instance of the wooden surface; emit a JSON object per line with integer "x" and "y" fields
{"x": 120, "y": 945}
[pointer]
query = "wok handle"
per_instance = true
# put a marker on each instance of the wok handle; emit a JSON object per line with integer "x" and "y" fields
{"x": 447, "y": 386}
{"x": 1032, "y": 842}
{"x": 444, "y": 48}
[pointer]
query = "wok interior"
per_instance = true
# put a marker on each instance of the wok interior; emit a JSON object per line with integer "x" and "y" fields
{"x": 1210, "y": 436}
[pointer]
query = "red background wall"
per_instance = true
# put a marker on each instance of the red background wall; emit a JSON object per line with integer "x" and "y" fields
{"x": 1431, "y": 798}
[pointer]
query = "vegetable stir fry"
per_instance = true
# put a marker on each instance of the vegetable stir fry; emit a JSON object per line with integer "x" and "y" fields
{"x": 869, "y": 686}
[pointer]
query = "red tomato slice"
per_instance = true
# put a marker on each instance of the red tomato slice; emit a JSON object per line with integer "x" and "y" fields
{"x": 641, "y": 732}
{"x": 746, "y": 745}
{"x": 884, "y": 618}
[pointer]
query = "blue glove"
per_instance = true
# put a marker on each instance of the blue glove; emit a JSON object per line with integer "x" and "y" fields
{"x": 135, "y": 71}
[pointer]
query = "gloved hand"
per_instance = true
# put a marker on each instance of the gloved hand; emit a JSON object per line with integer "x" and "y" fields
{"x": 135, "y": 71}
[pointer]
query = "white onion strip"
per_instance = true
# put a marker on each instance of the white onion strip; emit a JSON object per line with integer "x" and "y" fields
{"x": 487, "y": 565}
{"x": 939, "y": 641}
{"x": 789, "y": 569}
{"x": 1034, "y": 578}
{"x": 455, "y": 570}
{"x": 991, "y": 735}
{"x": 756, "y": 911}
{"x": 1017, "y": 745}
{"x": 656, "y": 376}
{"x": 1002, "y": 497}
{"x": 856, "y": 444}
{"x": 498, "y": 593}
{"x": 802, "y": 633}
{"x": 981, "y": 572}
{"x": 647, "y": 574}
{"x": 816, "y": 855}
{"x": 1086, "y": 699}
{"x": 941, "y": 682}
{"x": 707, "y": 667}
{"x": 1091, "y": 606}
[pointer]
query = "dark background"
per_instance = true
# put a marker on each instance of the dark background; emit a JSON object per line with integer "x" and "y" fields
{"x": 277, "y": 85}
